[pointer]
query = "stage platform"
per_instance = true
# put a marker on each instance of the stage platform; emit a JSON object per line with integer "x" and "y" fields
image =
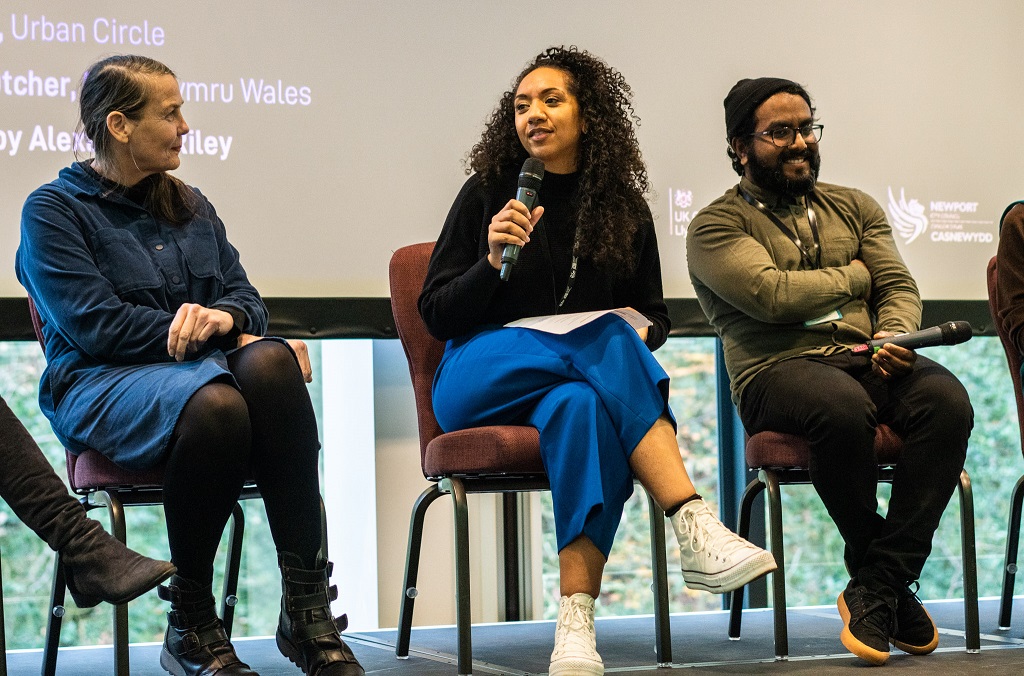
{"x": 700, "y": 644}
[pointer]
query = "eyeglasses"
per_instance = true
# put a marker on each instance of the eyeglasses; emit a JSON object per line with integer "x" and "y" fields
{"x": 783, "y": 137}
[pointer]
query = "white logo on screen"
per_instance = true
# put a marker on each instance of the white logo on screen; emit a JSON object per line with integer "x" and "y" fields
{"x": 908, "y": 219}
{"x": 680, "y": 212}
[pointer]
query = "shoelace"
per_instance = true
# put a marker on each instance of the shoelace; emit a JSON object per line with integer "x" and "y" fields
{"x": 910, "y": 591}
{"x": 902, "y": 597}
{"x": 862, "y": 604}
{"x": 576, "y": 627}
{"x": 710, "y": 528}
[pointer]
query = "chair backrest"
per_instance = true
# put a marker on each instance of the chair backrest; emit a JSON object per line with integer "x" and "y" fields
{"x": 1013, "y": 357}
{"x": 37, "y": 323}
{"x": 407, "y": 271}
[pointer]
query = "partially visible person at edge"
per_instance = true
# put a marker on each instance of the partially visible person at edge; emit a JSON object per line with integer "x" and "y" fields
{"x": 793, "y": 273}
{"x": 97, "y": 566}
{"x": 1010, "y": 286}
{"x": 155, "y": 358}
{"x": 596, "y": 394}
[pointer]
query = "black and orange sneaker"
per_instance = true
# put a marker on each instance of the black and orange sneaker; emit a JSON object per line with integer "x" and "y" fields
{"x": 869, "y": 619}
{"x": 915, "y": 631}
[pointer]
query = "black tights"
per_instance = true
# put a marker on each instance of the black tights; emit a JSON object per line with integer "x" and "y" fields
{"x": 265, "y": 427}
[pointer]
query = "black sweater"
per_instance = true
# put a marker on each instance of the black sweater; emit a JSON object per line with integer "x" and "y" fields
{"x": 463, "y": 293}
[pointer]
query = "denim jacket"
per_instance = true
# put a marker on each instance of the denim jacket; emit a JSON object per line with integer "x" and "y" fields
{"x": 107, "y": 278}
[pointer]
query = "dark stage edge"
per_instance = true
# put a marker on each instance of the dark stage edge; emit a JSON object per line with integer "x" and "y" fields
{"x": 699, "y": 643}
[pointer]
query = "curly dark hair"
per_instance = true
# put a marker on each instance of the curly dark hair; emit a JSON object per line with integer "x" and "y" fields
{"x": 610, "y": 205}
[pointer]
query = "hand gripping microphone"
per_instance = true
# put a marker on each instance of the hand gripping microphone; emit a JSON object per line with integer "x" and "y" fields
{"x": 950, "y": 333}
{"x": 529, "y": 183}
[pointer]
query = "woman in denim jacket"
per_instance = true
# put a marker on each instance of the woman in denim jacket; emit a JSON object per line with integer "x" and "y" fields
{"x": 155, "y": 358}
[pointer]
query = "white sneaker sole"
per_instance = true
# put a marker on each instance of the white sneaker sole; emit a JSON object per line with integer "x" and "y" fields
{"x": 724, "y": 581}
{"x": 576, "y": 666}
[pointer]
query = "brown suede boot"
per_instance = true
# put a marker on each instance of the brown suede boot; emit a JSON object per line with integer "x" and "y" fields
{"x": 307, "y": 633}
{"x": 97, "y": 566}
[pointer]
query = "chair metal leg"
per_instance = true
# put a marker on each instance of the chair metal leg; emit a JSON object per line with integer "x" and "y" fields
{"x": 3, "y": 631}
{"x": 229, "y": 599}
{"x": 512, "y": 579}
{"x": 463, "y": 618}
{"x": 659, "y": 567}
{"x": 1010, "y": 562}
{"x": 119, "y": 530}
{"x": 971, "y": 630}
{"x": 412, "y": 565}
{"x": 771, "y": 481}
{"x": 55, "y": 618}
{"x": 750, "y": 494}
{"x": 120, "y": 619}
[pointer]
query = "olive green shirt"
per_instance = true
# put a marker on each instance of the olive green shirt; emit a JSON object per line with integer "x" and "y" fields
{"x": 767, "y": 306}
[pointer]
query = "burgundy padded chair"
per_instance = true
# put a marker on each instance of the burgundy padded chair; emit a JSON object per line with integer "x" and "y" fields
{"x": 1013, "y": 359}
{"x": 497, "y": 459}
{"x": 781, "y": 459}
{"x": 101, "y": 483}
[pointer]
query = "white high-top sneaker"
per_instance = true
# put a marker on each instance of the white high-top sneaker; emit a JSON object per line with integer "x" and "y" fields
{"x": 575, "y": 652}
{"x": 713, "y": 557}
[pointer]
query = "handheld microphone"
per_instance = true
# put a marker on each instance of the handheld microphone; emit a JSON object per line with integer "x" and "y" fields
{"x": 950, "y": 333}
{"x": 530, "y": 177}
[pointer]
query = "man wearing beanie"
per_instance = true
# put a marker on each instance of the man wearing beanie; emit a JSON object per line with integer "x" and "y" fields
{"x": 793, "y": 273}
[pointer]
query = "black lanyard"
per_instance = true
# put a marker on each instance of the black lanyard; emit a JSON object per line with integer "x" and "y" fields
{"x": 572, "y": 270}
{"x": 812, "y": 220}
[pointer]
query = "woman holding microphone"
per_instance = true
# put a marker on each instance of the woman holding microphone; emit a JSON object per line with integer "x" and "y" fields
{"x": 596, "y": 394}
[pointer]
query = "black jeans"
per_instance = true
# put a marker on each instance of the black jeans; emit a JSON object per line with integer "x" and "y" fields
{"x": 836, "y": 402}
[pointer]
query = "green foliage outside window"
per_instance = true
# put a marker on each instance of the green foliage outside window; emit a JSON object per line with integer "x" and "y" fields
{"x": 815, "y": 572}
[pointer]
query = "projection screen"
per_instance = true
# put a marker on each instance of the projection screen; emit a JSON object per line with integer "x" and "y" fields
{"x": 327, "y": 134}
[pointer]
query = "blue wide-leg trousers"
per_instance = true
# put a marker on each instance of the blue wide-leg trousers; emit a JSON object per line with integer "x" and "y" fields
{"x": 592, "y": 393}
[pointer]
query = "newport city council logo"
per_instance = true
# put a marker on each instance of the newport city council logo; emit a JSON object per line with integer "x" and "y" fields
{"x": 680, "y": 211}
{"x": 908, "y": 219}
{"x": 951, "y": 222}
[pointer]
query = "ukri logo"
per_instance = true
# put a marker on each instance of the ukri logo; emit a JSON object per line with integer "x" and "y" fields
{"x": 680, "y": 212}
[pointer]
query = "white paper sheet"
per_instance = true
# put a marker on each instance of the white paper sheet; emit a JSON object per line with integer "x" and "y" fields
{"x": 561, "y": 324}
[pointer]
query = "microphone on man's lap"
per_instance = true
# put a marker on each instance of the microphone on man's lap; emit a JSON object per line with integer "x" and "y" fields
{"x": 949, "y": 333}
{"x": 530, "y": 178}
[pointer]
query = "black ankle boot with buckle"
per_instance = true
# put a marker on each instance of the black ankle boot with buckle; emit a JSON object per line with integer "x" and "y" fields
{"x": 308, "y": 634}
{"x": 195, "y": 643}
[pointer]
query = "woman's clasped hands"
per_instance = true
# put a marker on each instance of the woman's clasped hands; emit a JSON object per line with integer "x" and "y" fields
{"x": 194, "y": 324}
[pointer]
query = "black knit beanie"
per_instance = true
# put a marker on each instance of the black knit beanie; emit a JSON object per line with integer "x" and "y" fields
{"x": 746, "y": 95}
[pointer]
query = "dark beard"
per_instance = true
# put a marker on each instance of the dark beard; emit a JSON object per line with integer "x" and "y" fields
{"x": 770, "y": 177}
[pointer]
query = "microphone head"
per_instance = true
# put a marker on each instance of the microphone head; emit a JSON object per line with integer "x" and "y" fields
{"x": 531, "y": 174}
{"x": 954, "y": 333}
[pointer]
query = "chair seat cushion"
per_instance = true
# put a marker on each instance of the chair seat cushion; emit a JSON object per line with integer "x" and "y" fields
{"x": 91, "y": 469}
{"x": 495, "y": 450}
{"x": 779, "y": 449}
